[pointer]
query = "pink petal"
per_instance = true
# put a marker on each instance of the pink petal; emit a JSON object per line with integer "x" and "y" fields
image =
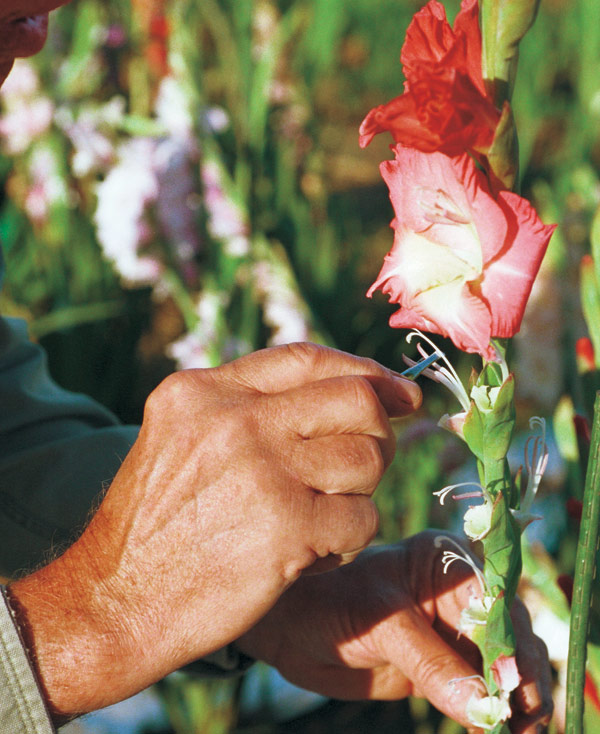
{"x": 508, "y": 276}
{"x": 506, "y": 673}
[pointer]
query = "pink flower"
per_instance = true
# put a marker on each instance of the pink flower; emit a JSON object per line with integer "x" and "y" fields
{"x": 506, "y": 674}
{"x": 463, "y": 262}
{"x": 445, "y": 105}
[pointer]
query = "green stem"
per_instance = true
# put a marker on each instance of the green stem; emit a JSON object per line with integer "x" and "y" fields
{"x": 585, "y": 562}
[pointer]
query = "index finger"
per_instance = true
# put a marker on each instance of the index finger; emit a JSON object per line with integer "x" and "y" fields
{"x": 282, "y": 368}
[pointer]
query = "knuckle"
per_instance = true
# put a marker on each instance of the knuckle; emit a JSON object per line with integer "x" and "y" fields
{"x": 371, "y": 521}
{"x": 167, "y": 393}
{"x": 363, "y": 395}
{"x": 372, "y": 458}
{"x": 310, "y": 356}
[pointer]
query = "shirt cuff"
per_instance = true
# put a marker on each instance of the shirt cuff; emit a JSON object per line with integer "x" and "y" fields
{"x": 224, "y": 663}
{"x": 22, "y": 707}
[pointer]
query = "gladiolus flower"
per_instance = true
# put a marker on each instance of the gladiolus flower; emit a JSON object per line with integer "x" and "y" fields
{"x": 444, "y": 106}
{"x": 463, "y": 262}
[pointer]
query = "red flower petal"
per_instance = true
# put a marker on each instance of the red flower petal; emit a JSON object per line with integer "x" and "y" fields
{"x": 429, "y": 37}
{"x": 467, "y": 24}
{"x": 444, "y": 106}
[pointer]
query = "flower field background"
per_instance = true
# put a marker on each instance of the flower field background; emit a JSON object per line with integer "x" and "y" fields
{"x": 183, "y": 184}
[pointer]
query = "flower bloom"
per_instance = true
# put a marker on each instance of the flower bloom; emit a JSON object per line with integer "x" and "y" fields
{"x": 444, "y": 106}
{"x": 463, "y": 262}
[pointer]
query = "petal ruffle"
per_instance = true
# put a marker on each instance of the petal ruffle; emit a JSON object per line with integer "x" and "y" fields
{"x": 508, "y": 277}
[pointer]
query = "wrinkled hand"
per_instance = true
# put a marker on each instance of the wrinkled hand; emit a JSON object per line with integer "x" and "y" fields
{"x": 385, "y": 627}
{"x": 242, "y": 478}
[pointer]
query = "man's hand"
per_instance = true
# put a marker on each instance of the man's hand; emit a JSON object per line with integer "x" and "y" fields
{"x": 385, "y": 627}
{"x": 243, "y": 477}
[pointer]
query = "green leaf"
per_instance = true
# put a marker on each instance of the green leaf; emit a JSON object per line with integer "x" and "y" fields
{"x": 590, "y": 300}
{"x": 500, "y": 635}
{"x": 502, "y": 550}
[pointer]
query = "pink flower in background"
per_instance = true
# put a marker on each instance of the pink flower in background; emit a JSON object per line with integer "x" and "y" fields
{"x": 463, "y": 262}
{"x": 445, "y": 105}
{"x": 27, "y": 114}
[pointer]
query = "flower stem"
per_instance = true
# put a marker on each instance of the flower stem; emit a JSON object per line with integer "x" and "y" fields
{"x": 582, "y": 588}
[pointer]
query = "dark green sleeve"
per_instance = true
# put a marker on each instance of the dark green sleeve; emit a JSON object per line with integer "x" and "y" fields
{"x": 58, "y": 453}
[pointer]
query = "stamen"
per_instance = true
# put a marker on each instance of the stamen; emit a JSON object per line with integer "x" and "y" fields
{"x": 448, "y": 557}
{"x": 447, "y": 376}
{"x": 443, "y": 493}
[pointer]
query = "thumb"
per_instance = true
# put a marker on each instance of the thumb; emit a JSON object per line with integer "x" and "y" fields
{"x": 437, "y": 672}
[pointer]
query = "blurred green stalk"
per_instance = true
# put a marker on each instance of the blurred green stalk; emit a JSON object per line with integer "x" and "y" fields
{"x": 582, "y": 588}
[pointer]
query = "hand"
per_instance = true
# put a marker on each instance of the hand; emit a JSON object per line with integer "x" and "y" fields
{"x": 385, "y": 627}
{"x": 242, "y": 478}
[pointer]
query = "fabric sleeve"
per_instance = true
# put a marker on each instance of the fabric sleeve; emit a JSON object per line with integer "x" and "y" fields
{"x": 22, "y": 708}
{"x": 59, "y": 452}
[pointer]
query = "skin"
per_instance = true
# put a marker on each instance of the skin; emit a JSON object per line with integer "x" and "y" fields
{"x": 245, "y": 483}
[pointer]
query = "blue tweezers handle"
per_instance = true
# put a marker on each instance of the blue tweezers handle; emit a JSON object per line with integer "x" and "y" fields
{"x": 415, "y": 370}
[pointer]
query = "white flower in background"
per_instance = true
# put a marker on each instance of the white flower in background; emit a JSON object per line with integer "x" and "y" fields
{"x": 216, "y": 119}
{"x": 90, "y": 134}
{"x": 265, "y": 20}
{"x": 197, "y": 348}
{"x": 225, "y": 218}
{"x": 172, "y": 109}
{"x": 47, "y": 187}
{"x": 283, "y": 309}
{"x": 122, "y": 200}
{"x": 26, "y": 113}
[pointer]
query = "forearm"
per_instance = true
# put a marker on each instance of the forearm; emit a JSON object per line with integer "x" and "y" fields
{"x": 74, "y": 638}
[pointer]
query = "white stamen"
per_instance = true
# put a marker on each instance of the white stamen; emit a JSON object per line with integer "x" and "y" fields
{"x": 448, "y": 557}
{"x": 445, "y": 491}
{"x": 445, "y": 375}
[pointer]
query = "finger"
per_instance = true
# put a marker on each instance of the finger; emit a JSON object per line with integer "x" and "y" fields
{"x": 533, "y": 698}
{"x": 342, "y": 524}
{"x": 285, "y": 367}
{"x": 345, "y": 464}
{"x": 339, "y": 405}
{"x": 437, "y": 672}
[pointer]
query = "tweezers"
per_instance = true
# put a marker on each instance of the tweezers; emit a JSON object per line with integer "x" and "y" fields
{"x": 415, "y": 370}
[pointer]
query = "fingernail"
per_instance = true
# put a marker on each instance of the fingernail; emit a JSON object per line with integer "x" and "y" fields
{"x": 410, "y": 388}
